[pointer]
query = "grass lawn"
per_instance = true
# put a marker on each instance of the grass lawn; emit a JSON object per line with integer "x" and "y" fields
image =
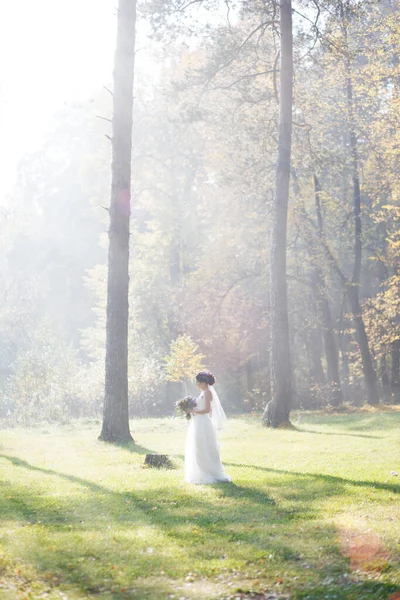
{"x": 312, "y": 513}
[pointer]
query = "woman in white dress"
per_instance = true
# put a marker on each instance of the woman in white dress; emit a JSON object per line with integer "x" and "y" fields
{"x": 202, "y": 460}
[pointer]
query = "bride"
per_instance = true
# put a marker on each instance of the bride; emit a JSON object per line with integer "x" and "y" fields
{"x": 202, "y": 460}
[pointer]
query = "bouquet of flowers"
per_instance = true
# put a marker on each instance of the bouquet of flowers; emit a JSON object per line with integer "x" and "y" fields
{"x": 185, "y": 404}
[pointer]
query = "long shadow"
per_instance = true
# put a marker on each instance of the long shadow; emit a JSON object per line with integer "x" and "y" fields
{"x": 129, "y": 446}
{"x": 389, "y": 487}
{"x": 359, "y": 435}
{"x": 95, "y": 487}
{"x": 359, "y": 422}
{"x": 214, "y": 524}
{"x": 175, "y": 519}
{"x": 354, "y": 590}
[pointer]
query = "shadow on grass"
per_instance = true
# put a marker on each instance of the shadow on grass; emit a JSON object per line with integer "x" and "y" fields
{"x": 98, "y": 542}
{"x": 354, "y": 590}
{"x": 358, "y": 422}
{"x": 335, "y": 433}
{"x": 129, "y": 446}
{"x": 329, "y": 479}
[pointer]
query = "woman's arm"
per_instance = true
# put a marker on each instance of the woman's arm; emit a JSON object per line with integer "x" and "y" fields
{"x": 207, "y": 409}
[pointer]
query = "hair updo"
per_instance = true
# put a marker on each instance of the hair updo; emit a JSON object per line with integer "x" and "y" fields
{"x": 205, "y": 377}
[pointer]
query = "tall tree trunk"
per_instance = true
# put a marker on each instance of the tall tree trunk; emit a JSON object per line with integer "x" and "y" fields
{"x": 116, "y": 417}
{"x": 278, "y": 409}
{"x": 335, "y": 397}
{"x": 354, "y": 286}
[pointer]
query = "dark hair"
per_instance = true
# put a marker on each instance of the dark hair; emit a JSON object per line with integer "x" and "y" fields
{"x": 205, "y": 377}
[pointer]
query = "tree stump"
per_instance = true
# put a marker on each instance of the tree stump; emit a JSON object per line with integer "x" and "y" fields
{"x": 157, "y": 460}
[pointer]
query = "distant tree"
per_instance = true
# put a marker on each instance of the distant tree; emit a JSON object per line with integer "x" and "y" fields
{"x": 183, "y": 361}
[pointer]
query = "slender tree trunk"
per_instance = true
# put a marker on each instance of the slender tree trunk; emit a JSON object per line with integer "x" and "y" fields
{"x": 278, "y": 409}
{"x": 353, "y": 286}
{"x": 384, "y": 374}
{"x": 345, "y": 377}
{"x": 335, "y": 397}
{"x": 362, "y": 339}
{"x": 382, "y": 275}
{"x": 334, "y": 391}
{"x": 316, "y": 379}
{"x": 395, "y": 374}
{"x": 116, "y": 418}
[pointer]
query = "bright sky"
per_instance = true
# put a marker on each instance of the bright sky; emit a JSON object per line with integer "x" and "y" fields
{"x": 51, "y": 52}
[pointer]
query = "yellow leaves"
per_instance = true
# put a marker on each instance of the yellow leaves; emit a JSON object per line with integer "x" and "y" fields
{"x": 184, "y": 360}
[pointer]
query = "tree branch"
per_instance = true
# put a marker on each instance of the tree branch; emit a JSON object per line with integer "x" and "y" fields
{"x": 233, "y": 58}
{"x": 249, "y": 76}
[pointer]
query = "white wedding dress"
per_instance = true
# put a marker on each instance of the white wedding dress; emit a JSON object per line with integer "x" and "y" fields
{"x": 202, "y": 460}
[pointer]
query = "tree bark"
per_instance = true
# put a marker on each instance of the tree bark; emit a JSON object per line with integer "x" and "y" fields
{"x": 314, "y": 343}
{"x": 345, "y": 371}
{"x": 334, "y": 391}
{"x": 352, "y": 287}
{"x": 384, "y": 374}
{"x": 335, "y": 396}
{"x": 395, "y": 371}
{"x": 362, "y": 339}
{"x": 115, "y": 417}
{"x": 278, "y": 409}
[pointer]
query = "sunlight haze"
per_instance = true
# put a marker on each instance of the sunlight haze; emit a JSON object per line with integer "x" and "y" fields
{"x": 51, "y": 53}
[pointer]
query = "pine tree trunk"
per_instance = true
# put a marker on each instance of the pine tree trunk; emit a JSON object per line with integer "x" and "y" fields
{"x": 115, "y": 417}
{"x": 395, "y": 372}
{"x": 370, "y": 377}
{"x": 314, "y": 341}
{"x": 384, "y": 374}
{"x": 367, "y": 364}
{"x": 335, "y": 397}
{"x": 278, "y": 409}
{"x": 345, "y": 371}
{"x": 334, "y": 391}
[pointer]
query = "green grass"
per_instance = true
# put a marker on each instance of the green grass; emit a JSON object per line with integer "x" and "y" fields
{"x": 83, "y": 519}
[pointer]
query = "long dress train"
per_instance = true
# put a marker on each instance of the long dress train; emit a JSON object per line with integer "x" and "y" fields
{"x": 202, "y": 460}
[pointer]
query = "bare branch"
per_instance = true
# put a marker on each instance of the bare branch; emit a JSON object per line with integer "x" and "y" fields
{"x": 183, "y": 8}
{"x": 313, "y": 23}
{"x": 228, "y": 12}
{"x": 303, "y": 125}
{"x": 317, "y": 6}
{"x": 263, "y": 25}
{"x": 104, "y": 118}
{"x": 248, "y": 76}
{"x": 309, "y": 50}
{"x": 233, "y": 58}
